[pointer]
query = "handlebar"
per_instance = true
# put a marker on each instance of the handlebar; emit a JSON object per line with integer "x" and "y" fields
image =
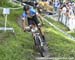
{"x": 27, "y": 28}
{"x": 33, "y": 30}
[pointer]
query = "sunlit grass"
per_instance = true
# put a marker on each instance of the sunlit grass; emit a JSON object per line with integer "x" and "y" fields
{"x": 59, "y": 44}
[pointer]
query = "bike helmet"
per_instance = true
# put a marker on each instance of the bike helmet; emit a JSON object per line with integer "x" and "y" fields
{"x": 26, "y": 7}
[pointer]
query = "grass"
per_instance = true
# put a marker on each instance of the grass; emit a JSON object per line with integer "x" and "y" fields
{"x": 59, "y": 44}
{"x": 7, "y": 4}
{"x": 72, "y": 33}
{"x": 19, "y": 47}
{"x": 61, "y": 26}
{"x": 58, "y": 24}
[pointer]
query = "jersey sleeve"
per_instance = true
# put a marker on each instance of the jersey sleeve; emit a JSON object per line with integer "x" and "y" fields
{"x": 24, "y": 15}
{"x": 34, "y": 11}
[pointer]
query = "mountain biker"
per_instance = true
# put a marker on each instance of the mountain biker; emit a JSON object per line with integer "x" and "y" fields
{"x": 30, "y": 15}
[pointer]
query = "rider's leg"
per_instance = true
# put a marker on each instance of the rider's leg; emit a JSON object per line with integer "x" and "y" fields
{"x": 41, "y": 29}
{"x": 42, "y": 34}
{"x": 30, "y": 23}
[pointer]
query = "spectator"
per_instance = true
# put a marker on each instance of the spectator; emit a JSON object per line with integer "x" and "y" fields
{"x": 63, "y": 14}
{"x": 74, "y": 8}
{"x": 71, "y": 18}
{"x": 56, "y": 3}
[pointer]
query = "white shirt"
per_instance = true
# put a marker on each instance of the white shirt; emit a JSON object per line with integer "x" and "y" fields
{"x": 64, "y": 9}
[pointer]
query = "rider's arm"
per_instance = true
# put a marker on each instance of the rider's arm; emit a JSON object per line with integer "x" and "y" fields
{"x": 37, "y": 14}
{"x": 23, "y": 21}
{"x": 23, "y": 24}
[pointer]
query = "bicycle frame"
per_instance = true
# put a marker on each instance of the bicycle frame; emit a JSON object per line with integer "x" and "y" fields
{"x": 37, "y": 33}
{"x": 40, "y": 39}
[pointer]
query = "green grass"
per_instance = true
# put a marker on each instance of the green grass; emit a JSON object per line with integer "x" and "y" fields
{"x": 72, "y": 33}
{"x": 61, "y": 26}
{"x": 19, "y": 47}
{"x": 58, "y": 24}
{"x": 7, "y": 4}
{"x": 59, "y": 44}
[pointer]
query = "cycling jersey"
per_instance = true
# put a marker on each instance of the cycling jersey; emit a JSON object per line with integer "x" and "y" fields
{"x": 31, "y": 18}
{"x": 32, "y": 13}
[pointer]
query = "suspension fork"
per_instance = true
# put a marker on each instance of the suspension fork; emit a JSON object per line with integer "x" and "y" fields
{"x": 41, "y": 43}
{"x": 40, "y": 31}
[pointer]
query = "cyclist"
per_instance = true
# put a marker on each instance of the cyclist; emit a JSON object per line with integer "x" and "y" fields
{"x": 30, "y": 15}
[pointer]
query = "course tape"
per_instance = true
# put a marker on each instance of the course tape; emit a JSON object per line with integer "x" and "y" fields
{"x": 12, "y": 8}
{"x": 68, "y": 35}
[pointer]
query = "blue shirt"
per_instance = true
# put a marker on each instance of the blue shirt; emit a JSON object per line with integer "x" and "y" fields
{"x": 32, "y": 13}
{"x": 56, "y": 4}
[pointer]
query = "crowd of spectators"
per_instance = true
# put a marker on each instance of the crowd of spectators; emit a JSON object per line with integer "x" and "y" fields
{"x": 66, "y": 13}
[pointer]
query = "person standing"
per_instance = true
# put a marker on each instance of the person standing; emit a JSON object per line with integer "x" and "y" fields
{"x": 56, "y": 3}
{"x": 63, "y": 14}
{"x": 71, "y": 19}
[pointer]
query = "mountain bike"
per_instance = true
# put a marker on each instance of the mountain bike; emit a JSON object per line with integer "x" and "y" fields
{"x": 40, "y": 45}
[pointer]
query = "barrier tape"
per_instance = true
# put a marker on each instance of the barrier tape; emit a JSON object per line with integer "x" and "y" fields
{"x": 68, "y": 35}
{"x": 12, "y": 8}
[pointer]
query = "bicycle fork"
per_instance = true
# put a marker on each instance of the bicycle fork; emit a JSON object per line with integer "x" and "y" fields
{"x": 41, "y": 43}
